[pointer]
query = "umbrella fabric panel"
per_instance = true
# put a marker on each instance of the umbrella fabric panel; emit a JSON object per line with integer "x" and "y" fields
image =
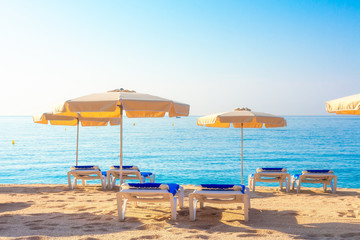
{"x": 245, "y": 119}
{"x": 135, "y": 105}
{"x": 54, "y": 119}
{"x": 345, "y": 105}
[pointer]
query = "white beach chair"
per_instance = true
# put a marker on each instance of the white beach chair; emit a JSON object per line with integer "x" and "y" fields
{"x": 149, "y": 192}
{"x": 85, "y": 173}
{"x": 326, "y": 177}
{"x": 279, "y": 175}
{"x": 128, "y": 173}
{"x": 219, "y": 194}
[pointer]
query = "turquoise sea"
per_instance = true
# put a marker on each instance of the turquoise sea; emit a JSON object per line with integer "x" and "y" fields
{"x": 177, "y": 150}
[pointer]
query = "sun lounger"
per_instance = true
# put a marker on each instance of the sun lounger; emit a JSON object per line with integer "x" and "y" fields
{"x": 326, "y": 177}
{"x": 128, "y": 173}
{"x": 219, "y": 194}
{"x": 85, "y": 173}
{"x": 149, "y": 192}
{"x": 279, "y": 175}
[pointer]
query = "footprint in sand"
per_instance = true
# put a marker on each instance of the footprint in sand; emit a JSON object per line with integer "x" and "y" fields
{"x": 147, "y": 237}
{"x": 160, "y": 219}
{"x": 151, "y": 227}
{"x": 33, "y": 238}
{"x": 252, "y": 235}
{"x": 183, "y": 213}
{"x": 348, "y": 213}
{"x": 95, "y": 219}
{"x": 111, "y": 212}
{"x": 199, "y": 236}
{"x": 350, "y": 235}
{"x": 36, "y": 228}
{"x": 205, "y": 227}
{"x": 84, "y": 209}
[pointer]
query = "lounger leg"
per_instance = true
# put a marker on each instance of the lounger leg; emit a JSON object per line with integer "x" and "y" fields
{"x": 281, "y": 185}
{"x": 74, "y": 183}
{"x": 192, "y": 207}
{"x": 83, "y": 182}
{"x": 108, "y": 180}
{"x": 246, "y": 207}
{"x": 334, "y": 184}
{"x": 298, "y": 185}
{"x": 292, "y": 183}
{"x": 253, "y": 184}
{"x": 103, "y": 182}
{"x": 111, "y": 182}
{"x": 201, "y": 204}
{"x": 69, "y": 181}
{"x": 325, "y": 186}
{"x": 287, "y": 184}
{"x": 249, "y": 182}
{"x": 121, "y": 204}
{"x": 181, "y": 198}
{"x": 247, "y": 191}
{"x": 173, "y": 203}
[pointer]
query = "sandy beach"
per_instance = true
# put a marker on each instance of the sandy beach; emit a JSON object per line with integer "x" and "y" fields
{"x": 54, "y": 212}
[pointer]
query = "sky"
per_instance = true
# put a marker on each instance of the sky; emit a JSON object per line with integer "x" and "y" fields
{"x": 280, "y": 57}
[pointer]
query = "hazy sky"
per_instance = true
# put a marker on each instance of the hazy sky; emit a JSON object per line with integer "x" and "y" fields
{"x": 280, "y": 57}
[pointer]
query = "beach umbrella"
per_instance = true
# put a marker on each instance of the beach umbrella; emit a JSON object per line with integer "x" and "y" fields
{"x": 346, "y": 105}
{"x": 54, "y": 119}
{"x": 242, "y": 118}
{"x": 112, "y": 104}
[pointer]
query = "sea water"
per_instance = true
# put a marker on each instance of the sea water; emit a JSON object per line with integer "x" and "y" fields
{"x": 177, "y": 150}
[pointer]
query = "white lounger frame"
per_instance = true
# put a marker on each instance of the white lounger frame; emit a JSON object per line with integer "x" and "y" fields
{"x": 270, "y": 176}
{"x": 85, "y": 175}
{"x": 218, "y": 197}
{"x": 153, "y": 195}
{"x": 133, "y": 174}
{"x": 324, "y": 178}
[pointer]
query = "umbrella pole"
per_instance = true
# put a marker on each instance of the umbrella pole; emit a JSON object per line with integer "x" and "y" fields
{"x": 121, "y": 142}
{"x": 242, "y": 147}
{"x": 77, "y": 142}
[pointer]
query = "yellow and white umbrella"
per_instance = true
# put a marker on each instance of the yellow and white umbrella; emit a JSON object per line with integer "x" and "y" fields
{"x": 242, "y": 118}
{"x": 347, "y": 105}
{"x": 54, "y": 119}
{"x": 112, "y": 104}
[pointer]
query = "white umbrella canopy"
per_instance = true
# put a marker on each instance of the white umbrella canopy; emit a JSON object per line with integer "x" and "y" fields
{"x": 346, "y": 105}
{"x": 242, "y": 118}
{"x": 54, "y": 119}
{"x": 111, "y": 104}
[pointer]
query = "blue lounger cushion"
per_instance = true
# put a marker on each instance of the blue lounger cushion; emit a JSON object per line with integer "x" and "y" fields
{"x": 271, "y": 170}
{"x": 124, "y": 167}
{"x": 85, "y": 167}
{"x": 171, "y": 187}
{"x": 146, "y": 174}
{"x": 223, "y": 187}
{"x": 297, "y": 176}
{"x": 317, "y": 171}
